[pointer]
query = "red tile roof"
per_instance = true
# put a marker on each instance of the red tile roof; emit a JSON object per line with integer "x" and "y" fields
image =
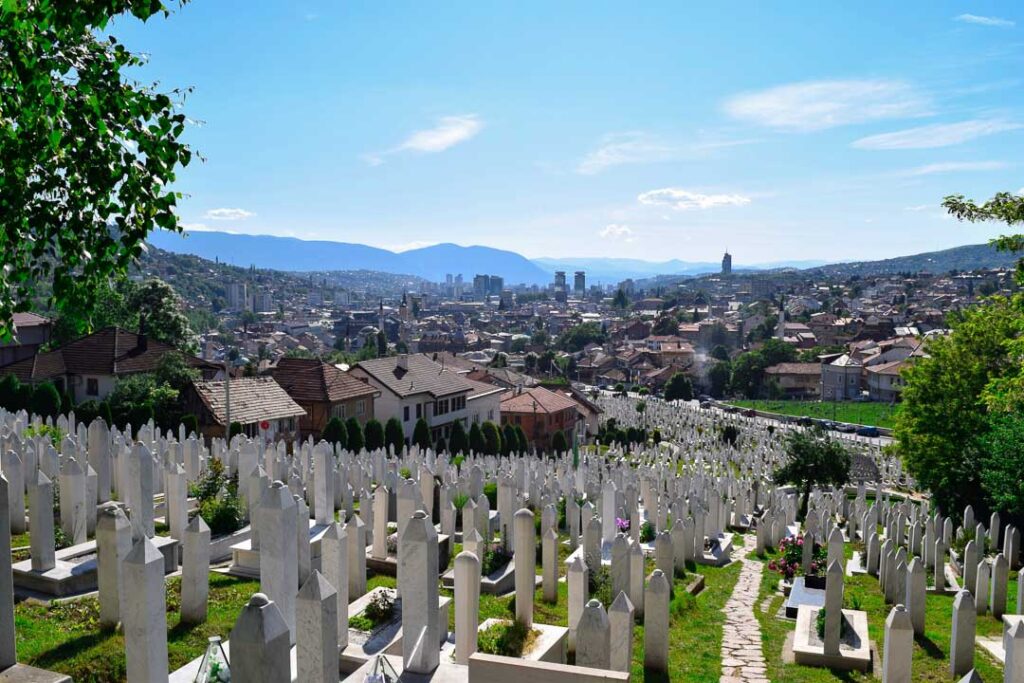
{"x": 312, "y": 380}
{"x": 110, "y": 351}
{"x": 525, "y": 401}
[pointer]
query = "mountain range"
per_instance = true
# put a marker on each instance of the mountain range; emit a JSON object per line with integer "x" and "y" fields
{"x": 435, "y": 262}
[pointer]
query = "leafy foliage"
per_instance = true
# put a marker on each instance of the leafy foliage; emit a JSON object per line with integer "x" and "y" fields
{"x": 421, "y": 434}
{"x": 813, "y": 459}
{"x": 679, "y": 388}
{"x": 335, "y": 432}
{"x": 89, "y": 156}
{"x": 506, "y": 638}
{"x": 458, "y": 442}
{"x": 492, "y": 438}
{"x": 394, "y": 436}
{"x": 353, "y": 434}
{"x": 374, "y": 433}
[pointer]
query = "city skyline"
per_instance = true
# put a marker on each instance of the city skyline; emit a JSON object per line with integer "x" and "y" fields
{"x": 646, "y": 133}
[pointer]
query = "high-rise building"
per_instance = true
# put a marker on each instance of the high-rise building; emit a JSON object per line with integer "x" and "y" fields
{"x": 579, "y": 284}
{"x": 238, "y": 299}
{"x": 481, "y": 285}
{"x": 559, "y": 280}
{"x": 727, "y": 264}
{"x": 497, "y": 285}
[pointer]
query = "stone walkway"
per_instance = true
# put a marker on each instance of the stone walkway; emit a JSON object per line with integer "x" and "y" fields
{"x": 742, "y": 660}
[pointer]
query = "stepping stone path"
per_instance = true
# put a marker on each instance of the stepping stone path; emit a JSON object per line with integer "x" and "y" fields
{"x": 742, "y": 660}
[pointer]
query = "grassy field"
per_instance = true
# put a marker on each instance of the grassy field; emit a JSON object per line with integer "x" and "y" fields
{"x": 875, "y": 414}
{"x": 931, "y": 652}
{"x": 65, "y": 637}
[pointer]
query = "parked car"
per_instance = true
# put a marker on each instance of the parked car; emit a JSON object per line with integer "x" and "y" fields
{"x": 868, "y": 431}
{"x": 804, "y": 421}
{"x": 845, "y": 428}
{"x": 749, "y": 412}
{"x": 705, "y": 404}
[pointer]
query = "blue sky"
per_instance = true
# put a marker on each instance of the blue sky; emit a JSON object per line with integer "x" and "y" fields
{"x": 780, "y": 131}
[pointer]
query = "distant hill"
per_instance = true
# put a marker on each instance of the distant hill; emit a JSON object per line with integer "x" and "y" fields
{"x": 291, "y": 254}
{"x": 970, "y": 257}
{"x": 611, "y": 270}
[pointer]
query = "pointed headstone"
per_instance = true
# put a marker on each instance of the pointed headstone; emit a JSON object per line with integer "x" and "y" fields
{"x": 316, "y": 623}
{"x": 144, "y": 615}
{"x": 620, "y": 621}
{"x": 899, "y": 647}
{"x": 593, "y": 637}
{"x": 195, "y": 572}
{"x": 261, "y": 643}
{"x": 961, "y": 644}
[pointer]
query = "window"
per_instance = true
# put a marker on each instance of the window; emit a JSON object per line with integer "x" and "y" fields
{"x": 92, "y": 386}
{"x": 360, "y": 407}
{"x": 419, "y": 410}
{"x": 338, "y": 411}
{"x": 405, "y": 414}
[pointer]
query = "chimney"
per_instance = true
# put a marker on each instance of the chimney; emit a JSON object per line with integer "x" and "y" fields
{"x": 403, "y": 361}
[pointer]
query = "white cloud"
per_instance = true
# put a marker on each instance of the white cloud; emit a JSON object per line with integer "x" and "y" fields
{"x": 616, "y": 232}
{"x": 984, "y": 21}
{"x": 957, "y": 167}
{"x": 816, "y": 105}
{"x": 448, "y": 132}
{"x": 684, "y": 200}
{"x": 917, "y": 208}
{"x": 936, "y": 135}
{"x": 625, "y": 148}
{"x": 196, "y": 227}
{"x": 228, "y": 214}
{"x": 638, "y": 147}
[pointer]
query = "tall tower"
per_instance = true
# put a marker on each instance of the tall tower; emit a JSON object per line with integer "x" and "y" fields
{"x": 580, "y": 283}
{"x": 727, "y": 264}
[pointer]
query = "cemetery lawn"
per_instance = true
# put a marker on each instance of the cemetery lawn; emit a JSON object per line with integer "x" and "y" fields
{"x": 866, "y": 413}
{"x": 931, "y": 652}
{"x": 65, "y": 637}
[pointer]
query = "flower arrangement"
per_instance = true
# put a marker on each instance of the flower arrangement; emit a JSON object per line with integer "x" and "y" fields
{"x": 791, "y": 556}
{"x": 622, "y": 525}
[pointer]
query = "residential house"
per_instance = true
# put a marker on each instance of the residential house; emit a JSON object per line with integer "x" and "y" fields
{"x": 885, "y": 381}
{"x": 840, "y": 378}
{"x": 797, "y": 380}
{"x": 414, "y": 387}
{"x": 89, "y": 367}
{"x": 541, "y": 413}
{"x": 323, "y": 391}
{"x": 31, "y": 331}
{"x": 259, "y": 404}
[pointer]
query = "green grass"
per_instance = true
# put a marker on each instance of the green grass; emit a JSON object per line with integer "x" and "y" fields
{"x": 875, "y": 414}
{"x": 66, "y": 637}
{"x": 931, "y": 652}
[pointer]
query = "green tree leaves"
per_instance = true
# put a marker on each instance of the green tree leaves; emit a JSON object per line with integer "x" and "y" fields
{"x": 88, "y": 154}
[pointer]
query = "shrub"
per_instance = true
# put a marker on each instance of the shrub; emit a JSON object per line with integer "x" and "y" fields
{"x": 191, "y": 423}
{"x": 45, "y": 401}
{"x": 87, "y": 411}
{"x": 354, "y": 431}
{"x": 52, "y": 432}
{"x": 421, "y": 435}
{"x": 506, "y": 638}
{"x": 495, "y": 557}
{"x": 222, "y": 515}
{"x": 380, "y": 607}
{"x": 9, "y": 386}
{"x": 394, "y": 436}
{"x": 647, "y": 532}
{"x": 374, "y": 432}
{"x": 458, "y": 442}
{"x": 729, "y": 434}
{"x": 491, "y": 491}
{"x": 236, "y": 428}
{"x": 335, "y": 432}
{"x": 459, "y": 500}
{"x": 440, "y": 446}
{"x": 492, "y": 438}
{"x": 791, "y": 555}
